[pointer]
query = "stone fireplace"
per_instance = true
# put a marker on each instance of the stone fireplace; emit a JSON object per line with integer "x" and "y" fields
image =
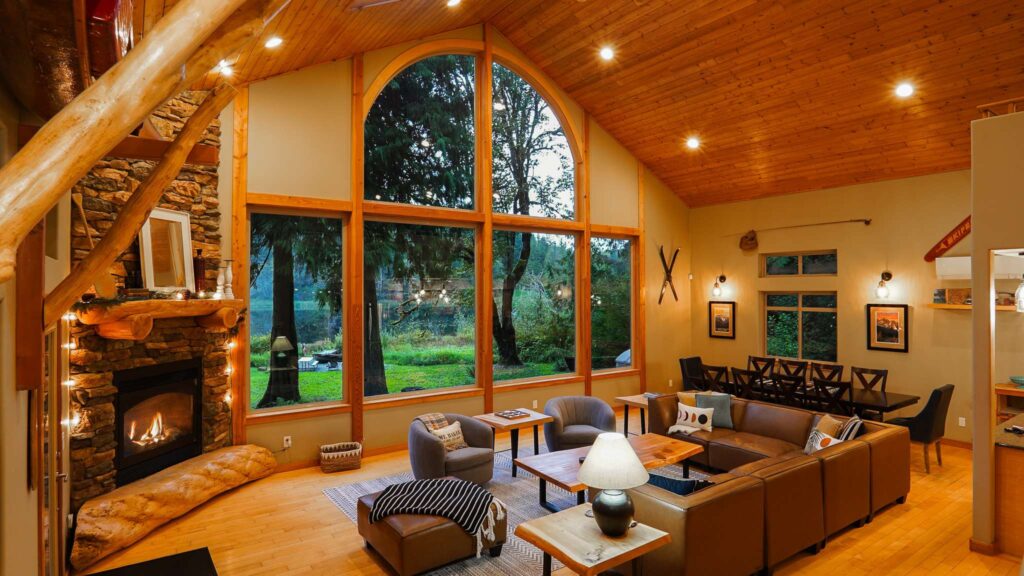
{"x": 158, "y": 417}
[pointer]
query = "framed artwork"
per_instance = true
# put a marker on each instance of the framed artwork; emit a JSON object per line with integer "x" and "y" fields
{"x": 888, "y": 327}
{"x": 165, "y": 249}
{"x": 722, "y": 319}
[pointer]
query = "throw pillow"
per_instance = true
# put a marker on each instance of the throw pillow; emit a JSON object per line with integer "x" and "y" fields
{"x": 850, "y": 429}
{"x": 690, "y": 419}
{"x": 818, "y": 440}
{"x": 678, "y": 486}
{"x": 687, "y": 398}
{"x": 829, "y": 425}
{"x": 451, "y": 436}
{"x": 721, "y": 403}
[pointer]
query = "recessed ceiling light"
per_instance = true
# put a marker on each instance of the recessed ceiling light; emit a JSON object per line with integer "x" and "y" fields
{"x": 454, "y": 3}
{"x": 274, "y": 42}
{"x": 905, "y": 90}
{"x": 224, "y": 68}
{"x": 693, "y": 142}
{"x": 607, "y": 53}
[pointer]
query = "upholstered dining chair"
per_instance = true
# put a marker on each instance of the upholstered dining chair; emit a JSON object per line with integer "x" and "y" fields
{"x": 578, "y": 420}
{"x": 929, "y": 426}
{"x": 430, "y": 460}
{"x": 693, "y": 375}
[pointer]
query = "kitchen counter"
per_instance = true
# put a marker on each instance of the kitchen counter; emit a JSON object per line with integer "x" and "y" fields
{"x": 1008, "y": 439}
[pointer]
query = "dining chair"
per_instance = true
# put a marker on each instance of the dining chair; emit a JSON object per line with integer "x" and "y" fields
{"x": 788, "y": 390}
{"x": 693, "y": 375}
{"x": 764, "y": 366}
{"x": 832, "y": 397}
{"x": 829, "y": 372}
{"x": 929, "y": 426}
{"x": 745, "y": 384}
{"x": 791, "y": 368}
{"x": 715, "y": 378}
{"x": 869, "y": 378}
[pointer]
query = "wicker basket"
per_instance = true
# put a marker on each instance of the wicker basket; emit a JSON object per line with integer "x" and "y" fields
{"x": 341, "y": 456}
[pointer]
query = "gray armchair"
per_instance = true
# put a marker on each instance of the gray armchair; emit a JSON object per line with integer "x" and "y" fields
{"x": 430, "y": 460}
{"x": 578, "y": 421}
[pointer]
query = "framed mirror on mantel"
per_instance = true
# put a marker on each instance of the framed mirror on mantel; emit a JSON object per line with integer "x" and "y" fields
{"x": 165, "y": 251}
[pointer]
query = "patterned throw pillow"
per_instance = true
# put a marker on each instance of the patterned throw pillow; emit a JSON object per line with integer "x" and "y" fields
{"x": 818, "y": 440}
{"x": 850, "y": 429}
{"x": 829, "y": 425}
{"x": 451, "y": 437}
{"x": 690, "y": 419}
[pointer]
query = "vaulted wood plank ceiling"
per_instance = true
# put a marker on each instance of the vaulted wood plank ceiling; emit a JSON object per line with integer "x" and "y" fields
{"x": 786, "y": 96}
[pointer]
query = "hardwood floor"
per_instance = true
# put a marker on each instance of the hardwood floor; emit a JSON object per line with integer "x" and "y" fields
{"x": 284, "y": 525}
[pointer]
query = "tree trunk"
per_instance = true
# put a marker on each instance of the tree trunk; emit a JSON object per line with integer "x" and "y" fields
{"x": 504, "y": 327}
{"x": 284, "y": 374}
{"x": 375, "y": 380}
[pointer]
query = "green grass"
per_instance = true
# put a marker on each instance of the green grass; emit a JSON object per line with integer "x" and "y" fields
{"x": 327, "y": 386}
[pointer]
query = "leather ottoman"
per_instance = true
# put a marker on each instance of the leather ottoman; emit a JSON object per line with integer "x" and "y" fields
{"x": 413, "y": 544}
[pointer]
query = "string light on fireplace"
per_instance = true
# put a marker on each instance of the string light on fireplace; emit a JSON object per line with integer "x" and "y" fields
{"x": 227, "y": 397}
{"x": 229, "y": 370}
{"x": 69, "y": 383}
{"x": 71, "y": 345}
{"x": 70, "y": 316}
{"x": 74, "y": 420}
{"x": 232, "y": 344}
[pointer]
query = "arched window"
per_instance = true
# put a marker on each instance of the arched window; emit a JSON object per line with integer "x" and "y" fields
{"x": 534, "y": 172}
{"x": 420, "y": 138}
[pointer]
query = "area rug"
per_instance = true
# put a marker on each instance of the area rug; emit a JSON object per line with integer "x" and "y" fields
{"x": 519, "y": 495}
{"x": 194, "y": 563}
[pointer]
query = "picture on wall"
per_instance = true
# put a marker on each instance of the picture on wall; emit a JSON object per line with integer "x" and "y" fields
{"x": 722, "y": 319}
{"x": 888, "y": 328}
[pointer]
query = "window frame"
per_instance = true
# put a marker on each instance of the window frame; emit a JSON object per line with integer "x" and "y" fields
{"x": 634, "y": 288}
{"x": 799, "y": 255}
{"x": 356, "y": 210}
{"x": 799, "y": 309}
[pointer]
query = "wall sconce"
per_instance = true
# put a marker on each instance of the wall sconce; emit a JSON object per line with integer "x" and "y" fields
{"x": 716, "y": 291}
{"x": 882, "y": 291}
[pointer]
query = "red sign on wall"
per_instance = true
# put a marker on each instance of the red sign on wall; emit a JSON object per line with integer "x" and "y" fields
{"x": 952, "y": 239}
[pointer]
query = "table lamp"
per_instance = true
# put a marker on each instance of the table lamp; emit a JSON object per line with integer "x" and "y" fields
{"x": 612, "y": 466}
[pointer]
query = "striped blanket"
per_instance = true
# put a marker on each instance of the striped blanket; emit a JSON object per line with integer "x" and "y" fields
{"x": 472, "y": 507}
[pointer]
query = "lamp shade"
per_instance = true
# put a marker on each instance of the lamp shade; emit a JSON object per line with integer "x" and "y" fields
{"x": 281, "y": 344}
{"x": 612, "y": 464}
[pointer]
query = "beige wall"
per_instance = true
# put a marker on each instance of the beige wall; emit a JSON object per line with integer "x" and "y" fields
{"x": 18, "y": 509}
{"x": 286, "y": 129}
{"x": 300, "y": 135}
{"x": 997, "y": 203}
{"x": 908, "y": 217}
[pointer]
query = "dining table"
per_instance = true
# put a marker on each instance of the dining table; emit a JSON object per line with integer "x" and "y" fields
{"x": 859, "y": 400}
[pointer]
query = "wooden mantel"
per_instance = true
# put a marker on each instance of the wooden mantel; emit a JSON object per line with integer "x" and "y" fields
{"x": 133, "y": 320}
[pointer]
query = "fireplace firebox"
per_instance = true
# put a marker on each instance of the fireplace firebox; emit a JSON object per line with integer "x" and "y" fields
{"x": 158, "y": 417}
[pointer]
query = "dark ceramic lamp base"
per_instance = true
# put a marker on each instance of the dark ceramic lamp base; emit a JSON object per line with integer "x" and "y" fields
{"x": 613, "y": 511}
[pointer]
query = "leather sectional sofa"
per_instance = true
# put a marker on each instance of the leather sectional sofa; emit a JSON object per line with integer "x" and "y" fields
{"x": 774, "y": 501}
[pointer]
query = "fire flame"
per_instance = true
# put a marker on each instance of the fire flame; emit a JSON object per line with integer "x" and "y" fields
{"x": 153, "y": 435}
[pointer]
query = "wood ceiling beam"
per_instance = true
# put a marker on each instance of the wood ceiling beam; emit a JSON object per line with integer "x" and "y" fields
{"x": 140, "y": 148}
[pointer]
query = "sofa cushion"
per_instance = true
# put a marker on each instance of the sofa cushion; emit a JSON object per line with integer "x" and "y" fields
{"x": 690, "y": 419}
{"x": 450, "y": 436}
{"x": 575, "y": 435}
{"x": 819, "y": 440}
{"x": 687, "y": 398}
{"x": 788, "y": 424}
{"x": 828, "y": 425}
{"x": 466, "y": 458}
{"x": 722, "y": 405}
{"x": 743, "y": 447}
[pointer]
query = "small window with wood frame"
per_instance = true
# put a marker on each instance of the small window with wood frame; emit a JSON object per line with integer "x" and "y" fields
{"x": 801, "y": 325}
{"x": 611, "y": 303}
{"x": 822, "y": 263}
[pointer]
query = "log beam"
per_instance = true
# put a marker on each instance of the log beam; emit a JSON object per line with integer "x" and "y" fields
{"x": 220, "y": 321}
{"x": 194, "y": 33}
{"x": 141, "y": 148}
{"x": 134, "y": 327}
{"x": 137, "y": 209}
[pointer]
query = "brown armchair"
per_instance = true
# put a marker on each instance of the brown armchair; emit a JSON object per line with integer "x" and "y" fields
{"x": 577, "y": 421}
{"x": 430, "y": 460}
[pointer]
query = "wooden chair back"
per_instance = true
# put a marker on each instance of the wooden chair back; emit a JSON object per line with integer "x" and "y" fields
{"x": 869, "y": 378}
{"x": 764, "y": 366}
{"x": 715, "y": 378}
{"x": 788, "y": 390}
{"x": 827, "y": 372}
{"x": 832, "y": 397}
{"x": 745, "y": 383}
{"x": 791, "y": 368}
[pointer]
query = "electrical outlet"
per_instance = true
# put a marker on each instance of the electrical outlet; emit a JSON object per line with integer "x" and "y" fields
{"x": 287, "y": 442}
{"x": 670, "y": 383}
{"x": 534, "y": 404}
{"x": 963, "y": 422}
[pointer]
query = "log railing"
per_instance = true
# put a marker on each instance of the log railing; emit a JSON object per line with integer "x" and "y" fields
{"x": 1011, "y": 106}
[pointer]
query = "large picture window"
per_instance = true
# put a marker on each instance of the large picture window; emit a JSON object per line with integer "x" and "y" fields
{"x": 801, "y": 325}
{"x": 420, "y": 308}
{"x": 534, "y": 172}
{"x": 295, "y": 327}
{"x": 611, "y": 303}
{"x": 420, "y": 135}
{"x": 533, "y": 306}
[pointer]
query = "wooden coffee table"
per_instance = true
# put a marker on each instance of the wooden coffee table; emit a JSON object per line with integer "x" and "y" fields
{"x": 562, "y": 468}
{"x": 578, "y": 543}
{"x": 513, "y": 426}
